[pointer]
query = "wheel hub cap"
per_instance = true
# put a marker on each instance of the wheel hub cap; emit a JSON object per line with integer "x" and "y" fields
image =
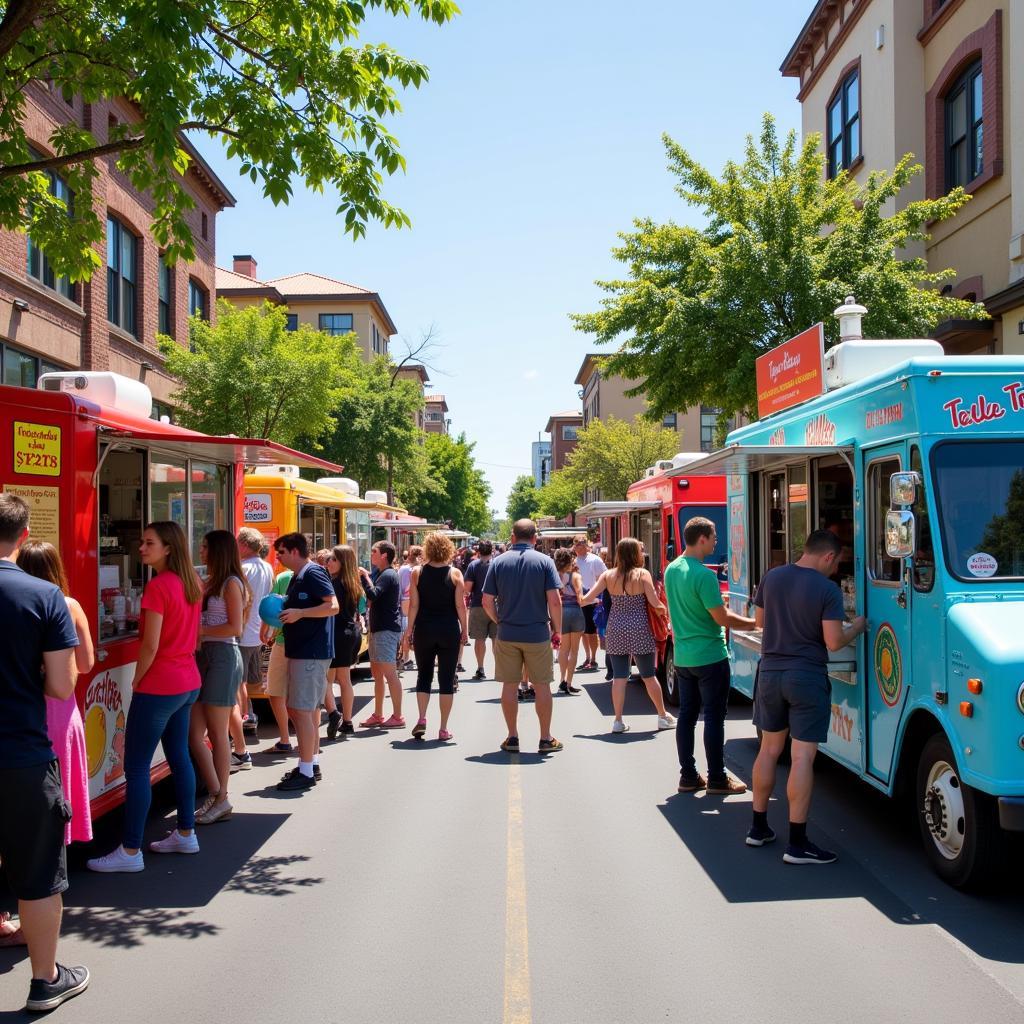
{"x": 943, "y": 810}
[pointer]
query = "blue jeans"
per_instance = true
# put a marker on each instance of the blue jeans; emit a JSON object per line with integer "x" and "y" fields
{"x": 707, "y": 686}
{"x": 154, "y": 717}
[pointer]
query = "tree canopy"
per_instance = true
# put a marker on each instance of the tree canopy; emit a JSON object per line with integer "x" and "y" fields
{"x": 522, "y": 499}
{"x": 611, "y": 454}
{"x": 461, "y": 492}
{"x": 249, "y": 375}
{"x": 561, "y": 495}
{"x": 285, "y": 85}
{"x": 782, "y": 247}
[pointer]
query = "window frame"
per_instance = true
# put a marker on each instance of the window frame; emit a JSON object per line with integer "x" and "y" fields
{"x": 196, "y": 289}
{"x": 122, "y": 294}
{"x": 876, "y": 530}
{"x": 44, "y": 273}
{"x": 291, "y": 322}
{"x": 974, "y": 126}
{"x": 165, "y": 303}
{"x": 331, "y": 330}
{"x": 840, "y": 97}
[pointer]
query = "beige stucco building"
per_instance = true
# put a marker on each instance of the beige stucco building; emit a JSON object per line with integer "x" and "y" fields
{"x": 942, "y": 79}
{"x": 435, "y": 414}
{"x": 322, "y": 302}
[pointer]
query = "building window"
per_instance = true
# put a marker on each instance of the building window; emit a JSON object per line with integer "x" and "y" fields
{"x": 161, "y": 409}
{"x": 37, "y": 265}
{"x": 569, "y": 433}
{"x": 709, "y": 427}
{"x": 964, "y": 128}
{"x": 843, "y": 124}
{"x": 293, "y": 322}
{"x": 198, "y": 301}
{"x": 434, "y": 417}
{"x": 166, "y": 296}
{"x": 670, "y": 421}
{"x": 22, "y": 369}
{"x": 205, "y": 226}
{"x": 336, "y": 323}
{"x": 122, "y": 248}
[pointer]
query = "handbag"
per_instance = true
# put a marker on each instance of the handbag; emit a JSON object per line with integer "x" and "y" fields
{"x": 658, "y": 621}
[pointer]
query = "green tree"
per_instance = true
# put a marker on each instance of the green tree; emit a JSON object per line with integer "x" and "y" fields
{"x": 284, "y": 85}
{"x": 561, "y": 495}
{"x": 1004, "y": 534}
{"x": 461, "y": 492}
{"x": 249, "y": 375}
{"x": 376, "y": 437}
{"x": 522, "y": 499}
{"x": 611, "y": 454}
{"x": 781, "y": 248}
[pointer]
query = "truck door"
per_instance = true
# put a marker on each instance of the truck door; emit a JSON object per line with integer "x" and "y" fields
{"x": 886, "y": 671}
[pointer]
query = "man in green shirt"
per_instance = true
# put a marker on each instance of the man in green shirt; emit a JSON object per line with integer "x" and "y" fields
{"x": 699, "y": 618}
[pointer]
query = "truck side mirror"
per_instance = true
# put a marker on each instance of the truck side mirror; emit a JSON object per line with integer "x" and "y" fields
{"x": 903, "y": 488}
{"x": 899, "y": 534}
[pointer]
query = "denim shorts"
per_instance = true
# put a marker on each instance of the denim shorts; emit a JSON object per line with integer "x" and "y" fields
{"x": 573, "y": 620}
{"x": 799, "y": 700}
{"x": 220, "y": 668}
{"x": 384, "y": 646}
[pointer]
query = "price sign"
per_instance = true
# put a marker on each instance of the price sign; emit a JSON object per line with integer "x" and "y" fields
{"x": 36, "y": 449}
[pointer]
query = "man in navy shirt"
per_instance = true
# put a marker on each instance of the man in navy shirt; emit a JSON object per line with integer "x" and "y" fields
{"x": 801, "y": 613}
{"x": 37, "y": 660}
{"x": 310, "y": 605}
{"x": 521, "y": 594}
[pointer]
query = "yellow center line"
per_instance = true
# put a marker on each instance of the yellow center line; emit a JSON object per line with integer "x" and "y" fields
{"x": 517, "y": 947}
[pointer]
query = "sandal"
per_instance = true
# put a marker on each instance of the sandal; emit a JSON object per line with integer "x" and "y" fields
{"x": 10, "y": 933}
{"x": 445, "y": 736}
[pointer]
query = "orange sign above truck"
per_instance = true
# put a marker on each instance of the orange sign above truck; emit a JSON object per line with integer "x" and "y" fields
{"x": 792, "y": 372}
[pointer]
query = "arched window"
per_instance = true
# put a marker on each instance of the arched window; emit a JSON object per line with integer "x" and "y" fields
{"x": 965, "y": 128}
{"x": 842, "y": 124}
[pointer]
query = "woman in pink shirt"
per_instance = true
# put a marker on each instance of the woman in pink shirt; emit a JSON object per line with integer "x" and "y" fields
{"x": 164, "y": 689}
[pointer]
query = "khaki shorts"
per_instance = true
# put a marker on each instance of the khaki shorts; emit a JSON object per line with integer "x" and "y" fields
{"x": 307, "y": 683}
{"x": 277, "y": 672}
{"x": 481, "y": 625}
{"x": 510, "y": 657}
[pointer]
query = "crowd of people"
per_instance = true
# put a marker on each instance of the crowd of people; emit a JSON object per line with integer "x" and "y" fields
{"x": 204, "y": 640}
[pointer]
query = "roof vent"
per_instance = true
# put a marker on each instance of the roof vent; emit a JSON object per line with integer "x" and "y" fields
{"x": 277, "y": 469}
{"x": 341, "y": 483}
{"x": 681, "y": 459}
{"x": 849, "y": 315}
{"x": 110, "y": 390}
{"x": 377, "y": 497}
{"x": 664, "y": 465}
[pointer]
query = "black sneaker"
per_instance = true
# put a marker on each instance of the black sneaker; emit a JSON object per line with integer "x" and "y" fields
{"x": 479, "y": 674}
{"x": 808, "y": 854}
{"x": 240, "y": 762}
{"x": 317, "y": 774}
{"x": 760, "y": 836}
{"x": 563, "y": 687}
{"x": 250, "y": 723}
{"x": 692, "y": 785}
{"x": 295, "y": 780}
{"x": 459, "y": 667}
{"x": 333, "y": 724}
{"x": 529, "y": 693}
{"x": 48, "y": 995}
{"x": 348, "y": 726}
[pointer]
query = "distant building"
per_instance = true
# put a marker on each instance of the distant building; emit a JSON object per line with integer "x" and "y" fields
{"x": 418, "y": 373}
{"x": 329, "y": 305}
{"x": 540, "y": 462}
{"x": 435, "y": 414}
{"x": 563, "y": 428}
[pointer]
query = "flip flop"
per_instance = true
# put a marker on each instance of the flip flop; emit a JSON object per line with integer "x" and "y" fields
{"x": 10, "y": 935}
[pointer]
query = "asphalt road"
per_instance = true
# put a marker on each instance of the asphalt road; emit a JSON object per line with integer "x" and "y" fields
{"x": 454, "y": 883}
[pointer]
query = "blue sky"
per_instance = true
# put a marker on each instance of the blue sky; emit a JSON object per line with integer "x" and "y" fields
{"x": 537, "y": 138}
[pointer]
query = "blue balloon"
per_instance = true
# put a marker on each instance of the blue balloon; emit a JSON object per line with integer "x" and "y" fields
{"x": 270, "y": 610}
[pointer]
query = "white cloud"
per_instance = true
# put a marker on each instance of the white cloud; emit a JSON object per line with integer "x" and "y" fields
{"x": 531, "y": 375}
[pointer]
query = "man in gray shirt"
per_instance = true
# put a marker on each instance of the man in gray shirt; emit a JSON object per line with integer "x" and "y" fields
{"x": 521, "y": 594}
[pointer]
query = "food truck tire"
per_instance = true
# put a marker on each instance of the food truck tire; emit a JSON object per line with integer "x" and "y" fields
{"x": 963, "y": 852}
{"x": 667, "y": 678}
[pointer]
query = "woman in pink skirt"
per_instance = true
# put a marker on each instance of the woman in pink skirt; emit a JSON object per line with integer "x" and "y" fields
{"x": 63, "y": 719}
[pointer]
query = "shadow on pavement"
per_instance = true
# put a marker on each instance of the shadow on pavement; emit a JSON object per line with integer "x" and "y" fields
{"x": 503, "y": 759}
{"x": 118, "y": 928}
{"x": 637, "y": 701}
{"x": 618, "y": 737}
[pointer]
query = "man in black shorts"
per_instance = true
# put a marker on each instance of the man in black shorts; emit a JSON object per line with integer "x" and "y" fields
{"x": 38, "y": 634}
{"x": 801, "y": 612}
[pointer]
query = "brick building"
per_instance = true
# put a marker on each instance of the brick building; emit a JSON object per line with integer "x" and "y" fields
{"x": 111, "y": 321}
{"x": 435, "y": 414}
{"x": 563, "y": 428}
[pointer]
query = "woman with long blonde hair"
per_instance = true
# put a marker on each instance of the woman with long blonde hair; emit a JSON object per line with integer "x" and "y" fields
{"x": 348, "y": 637}
{"x": 628, "y": 635}
{"x": 164, "y": 689}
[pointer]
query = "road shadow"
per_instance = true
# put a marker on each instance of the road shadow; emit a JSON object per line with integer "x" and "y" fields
{"x": 122, "y": 928}
{"x": 424, "y": 744}
{"x": 632, "y": 736}
{"x": 637, "y": 701}
{"x": 503, "y": 759}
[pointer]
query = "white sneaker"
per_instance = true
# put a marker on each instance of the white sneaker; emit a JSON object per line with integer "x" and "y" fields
{"x": 117, "y": 860}
{"x": 175, "y": 842}
{"x": 619, "y": 726}
{"x": 666, "y": 721}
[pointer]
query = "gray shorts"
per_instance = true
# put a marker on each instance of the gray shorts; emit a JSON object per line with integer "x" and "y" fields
{"x": 307, "y": 682}
{"x": 644, "y": 665}
{"x": 799, "y": 700}
{"x": 481, "y": 625}
{"x": 220, "y": 669}
{"x": 252, "y": 665}
{"x": 572, "y": 619}
{"x": 384, "y": 646}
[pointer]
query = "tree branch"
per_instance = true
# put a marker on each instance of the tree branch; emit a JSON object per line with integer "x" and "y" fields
{"x": 17, "y": 18}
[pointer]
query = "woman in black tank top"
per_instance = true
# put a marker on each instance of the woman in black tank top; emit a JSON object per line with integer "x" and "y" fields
{"x": 438, "y": 624}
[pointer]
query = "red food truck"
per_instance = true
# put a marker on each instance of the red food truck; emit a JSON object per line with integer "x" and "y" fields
{"x": 655, "y": 511}
{"x": 94, "y": 469}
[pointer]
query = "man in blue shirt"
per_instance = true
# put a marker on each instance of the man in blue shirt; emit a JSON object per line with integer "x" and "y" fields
{"x": 37, "y": 660}
{"x": 308, "y": 625}
{"x": 521, "y": 594}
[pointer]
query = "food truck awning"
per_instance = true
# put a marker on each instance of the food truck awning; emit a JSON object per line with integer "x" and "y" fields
{"x": 614, "y": 508}
{"x": 454, "y": 534}
{"x": 246, "y": 450}
{"x": 559, "y": 532}
{"x": 344, "y": 500}
{"x": 753, "y": 458}
{"x": 405, "y": 524}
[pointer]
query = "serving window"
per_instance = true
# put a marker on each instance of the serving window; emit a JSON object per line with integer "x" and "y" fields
{"x": 320, "y": 524}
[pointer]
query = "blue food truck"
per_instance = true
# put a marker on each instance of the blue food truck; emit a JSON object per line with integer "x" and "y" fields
{"x": 916, "y": 461}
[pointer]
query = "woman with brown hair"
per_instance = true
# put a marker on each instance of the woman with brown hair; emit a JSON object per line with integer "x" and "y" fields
{"x": 348, "y": 637}
{"x": 63, "y": 719}
{"x": 573, "y": 621}
{"x": 438, "y": 624}
{"x": 226, "y": 599}
{"x": 628, "y": 635}
{"x": 164, "y": 689}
